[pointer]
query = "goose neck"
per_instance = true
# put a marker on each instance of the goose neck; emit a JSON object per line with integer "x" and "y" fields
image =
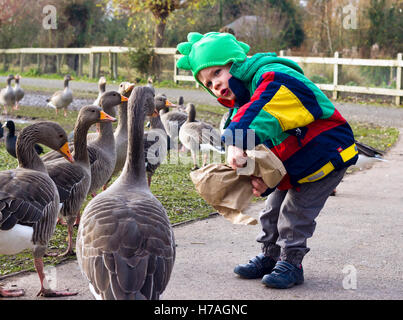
{"x": 134, "y": 171}
{"x": 26, "y": 154}
{"x": 80, "y": 143}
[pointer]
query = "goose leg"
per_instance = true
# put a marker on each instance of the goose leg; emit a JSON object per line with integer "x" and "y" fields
{"x": 194, "y": 158}
{"x": 16, "y": 107}
{"x": 56, "y": 111}
{"x": 11, "y": 293}
{"x": 65, "y": 112}
{"x": 149, "y": 179}
{"x": 77, "y": 222}
{"x": 69, "y": 251}
{"x": 45, "y": 289}
{"x": 205, "y": 156}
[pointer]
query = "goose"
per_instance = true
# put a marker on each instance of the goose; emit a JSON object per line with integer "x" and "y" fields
{"x": 18, "y": 91}
{"x": 7, "y": 96}
{"x": 29, "y": 201}
{"x": 199, "y": 135}
{"x": 181, "y": 104}
{"x": 101, "y": 90}
{"x": 11, "y": 139}
{"x": 156, "y": 145}
{"x": 120, "y": 134}
{"x": 125, "y": 242}
{"x": 73, "y": 180}
{"x": 172, "y": 120}
{"x": 62, "y": 98}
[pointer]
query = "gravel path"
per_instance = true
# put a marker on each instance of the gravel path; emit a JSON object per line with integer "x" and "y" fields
{"x": 382, "y": 115}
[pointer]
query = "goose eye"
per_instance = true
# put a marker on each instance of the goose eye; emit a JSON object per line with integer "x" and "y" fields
{"x": 60, "y": 136}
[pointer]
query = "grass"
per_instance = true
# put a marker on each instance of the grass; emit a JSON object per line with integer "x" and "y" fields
{"x": 171, "y": 183}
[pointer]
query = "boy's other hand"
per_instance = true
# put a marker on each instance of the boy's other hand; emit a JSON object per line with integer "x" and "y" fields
{"x": 236, "y": 157}
{"x": 258, "y": 186}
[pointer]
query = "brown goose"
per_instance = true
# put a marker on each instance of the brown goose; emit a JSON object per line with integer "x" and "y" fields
{"x": 7, "y": 96}
{"x": 198, "y": 135}
{"x": 73, "y": 180}
{"x": 29, "y": 201}
{"x": 62, "y": 98}
{"x": 18, "y": 91}
{"x": 125, "y": 243}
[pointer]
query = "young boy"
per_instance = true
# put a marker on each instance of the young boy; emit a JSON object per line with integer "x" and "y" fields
{"x": 290, "y": 115}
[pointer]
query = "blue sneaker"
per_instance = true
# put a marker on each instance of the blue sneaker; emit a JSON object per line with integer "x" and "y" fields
{"x": 284, "y": 275}
{"x": 256, "y": 268}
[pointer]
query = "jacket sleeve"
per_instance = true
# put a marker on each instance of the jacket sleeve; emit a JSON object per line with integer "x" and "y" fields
{"x": 279, "y": 103}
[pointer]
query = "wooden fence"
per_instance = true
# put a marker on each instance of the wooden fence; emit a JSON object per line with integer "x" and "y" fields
{"x": 96, "y": 52}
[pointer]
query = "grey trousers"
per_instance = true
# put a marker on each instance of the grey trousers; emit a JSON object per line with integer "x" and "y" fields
{"x": 288, "y": 219}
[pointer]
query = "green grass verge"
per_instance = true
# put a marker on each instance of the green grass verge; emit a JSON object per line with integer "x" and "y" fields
{"x": 171, "y": 183}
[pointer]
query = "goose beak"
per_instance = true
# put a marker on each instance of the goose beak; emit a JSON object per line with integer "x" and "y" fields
{"x": 106, "y": 117}
{"x": 4, "y": 125}
{"x": 170, "y": 104}
{"x": 155, "y": 113}
{"x": 123, "y": 99}
{"x": 65, "y": 151}
{"x": 71, "y": 78}
{"x": 129, "y": 88}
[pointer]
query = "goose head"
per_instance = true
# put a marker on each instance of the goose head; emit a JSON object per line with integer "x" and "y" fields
{"x": 67, "y": 78}
{"x": 102, "y": 84}
{"x": 191, "y": 111}
{"x": 17, "y": 78}
{"x": 50, "y": 134}
{"x": 9, "y": 78}
{"x": 126, "y": 88}
{"x": 162, "y": 103}
{"x": 111, "y": 99}
{"x": 10, "y": 125}
{"x": 93, "y": 114}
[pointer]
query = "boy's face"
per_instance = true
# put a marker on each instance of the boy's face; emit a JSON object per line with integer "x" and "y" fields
{"x": 216, "y": 79}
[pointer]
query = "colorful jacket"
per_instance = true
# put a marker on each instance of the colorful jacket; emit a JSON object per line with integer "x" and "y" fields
{"x": 290, "y": 115}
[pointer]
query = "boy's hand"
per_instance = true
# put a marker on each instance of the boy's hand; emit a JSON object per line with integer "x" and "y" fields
{"x": 236, "y": 157}
{"x": 258, "y": 186}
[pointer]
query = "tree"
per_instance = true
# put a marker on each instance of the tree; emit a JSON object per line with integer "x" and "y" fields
{"x": 160, "y": 9}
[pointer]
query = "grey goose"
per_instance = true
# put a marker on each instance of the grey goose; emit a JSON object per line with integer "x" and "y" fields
{"x": 29, "y": 201}
{"x": 73, "y": 180}
{"x": 61, "y": 99}
{"x": 125, "y": 243}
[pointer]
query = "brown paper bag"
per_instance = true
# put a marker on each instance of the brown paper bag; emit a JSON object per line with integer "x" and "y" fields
{"x": 229, "y": 191}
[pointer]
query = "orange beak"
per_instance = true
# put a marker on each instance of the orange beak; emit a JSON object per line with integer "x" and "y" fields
{"x": 170, "y": 104}
{"x": 65, "y": 151}
{"x": 106, "y": 117}
{"x": 123, "y": 99}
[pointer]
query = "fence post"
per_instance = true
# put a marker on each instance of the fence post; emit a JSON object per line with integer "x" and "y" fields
{"x": 91, "y": 70}
{"x": 335, "y": 75}
{"x": 80, "y": 65}
{"x": 398, "y": 99}
{"x": 58, "y": 63}
{"x": 38, "y": 62}
{"x": 115, "y": 66}
{"x": 21, "y": 62}
{"x": 110, "y": 57}
{"x": 175, "y": 70}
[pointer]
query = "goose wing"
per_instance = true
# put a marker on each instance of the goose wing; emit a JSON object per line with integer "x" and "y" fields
{"x": 70, "y": 178}
{"x": 125, "y": 247}
{"x": 27, "y": 197}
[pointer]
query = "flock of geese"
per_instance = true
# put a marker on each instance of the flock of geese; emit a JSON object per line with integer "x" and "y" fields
{"x": 125, "y": 243}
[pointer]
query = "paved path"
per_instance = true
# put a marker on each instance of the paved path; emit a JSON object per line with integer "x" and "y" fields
{"x": 360, "y": 232}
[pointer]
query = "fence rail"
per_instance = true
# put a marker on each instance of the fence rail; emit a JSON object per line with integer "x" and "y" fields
{"x": 95, "y": 53}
